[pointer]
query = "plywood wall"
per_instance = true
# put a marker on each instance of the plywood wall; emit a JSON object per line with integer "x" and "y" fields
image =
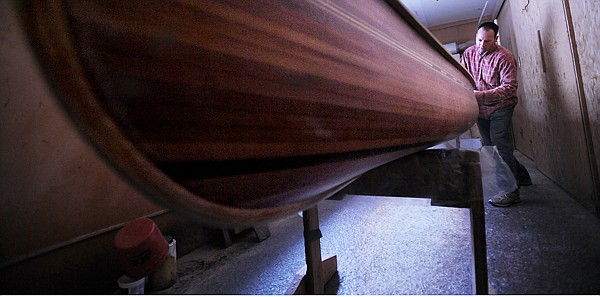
{"x": 549, "y": 120}
{"x": 54, "y": 187}
{"x": 60, "y": 202}
{"x": 586, "y": 21}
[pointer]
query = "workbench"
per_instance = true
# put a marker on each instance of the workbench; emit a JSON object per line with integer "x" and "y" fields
{"x": 449, "y": 177}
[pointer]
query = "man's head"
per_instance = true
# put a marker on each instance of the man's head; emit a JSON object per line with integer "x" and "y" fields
{"x": 485, "y": 39}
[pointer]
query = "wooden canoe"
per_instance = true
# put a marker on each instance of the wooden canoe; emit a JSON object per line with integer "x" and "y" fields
{"x": 237, "y": 112}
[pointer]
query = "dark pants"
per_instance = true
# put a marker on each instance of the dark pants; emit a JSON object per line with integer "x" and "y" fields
{"x": 497, "y": 131}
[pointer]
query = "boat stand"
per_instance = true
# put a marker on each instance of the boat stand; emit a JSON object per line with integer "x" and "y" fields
{"x": 449, "y": 177}
{"x": 262, "y": 232}
{"x": 313, "y": 278}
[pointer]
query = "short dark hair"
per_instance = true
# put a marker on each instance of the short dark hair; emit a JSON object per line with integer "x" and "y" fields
{"x": 489, "y": 26}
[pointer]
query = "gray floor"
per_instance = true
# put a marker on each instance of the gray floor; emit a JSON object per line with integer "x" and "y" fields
{"x": 387, "y": 246}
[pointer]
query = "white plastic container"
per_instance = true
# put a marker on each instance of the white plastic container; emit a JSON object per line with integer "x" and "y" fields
{"x": 130, "y": 285}
{"x": 173, "y": 248}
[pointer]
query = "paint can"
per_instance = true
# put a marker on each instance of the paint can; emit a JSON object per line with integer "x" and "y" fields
{"x": 141, "y": 248}
{"x": 130, "y": 285}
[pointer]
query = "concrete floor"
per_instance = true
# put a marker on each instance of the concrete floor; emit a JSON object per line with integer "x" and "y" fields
{"x": 549, "y": 244}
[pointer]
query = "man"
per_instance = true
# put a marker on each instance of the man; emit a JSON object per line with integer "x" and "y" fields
{"x": 494, "y": 70}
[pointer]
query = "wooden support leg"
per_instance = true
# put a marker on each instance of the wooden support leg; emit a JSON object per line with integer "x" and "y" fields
{"x": 313, "y": 278}
{"x": 478, "y": 241}
{"x": 262, "y": 232}
{"x": 312, "y": 248}
{"x": 227, "y": 241}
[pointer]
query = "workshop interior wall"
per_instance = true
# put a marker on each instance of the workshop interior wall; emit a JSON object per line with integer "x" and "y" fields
{"x": 586, "y": 21}
{"x": 549, "y": 121}
{"x": 61, "y": 203}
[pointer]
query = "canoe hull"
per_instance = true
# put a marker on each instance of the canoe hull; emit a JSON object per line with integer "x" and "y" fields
{"x": 236, "y": 112}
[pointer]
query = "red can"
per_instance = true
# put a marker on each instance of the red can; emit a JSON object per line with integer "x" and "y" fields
{"x": 141, "y": 247}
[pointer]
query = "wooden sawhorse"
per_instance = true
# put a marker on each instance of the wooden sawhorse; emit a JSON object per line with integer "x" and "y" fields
{"x": 450, "y": 177}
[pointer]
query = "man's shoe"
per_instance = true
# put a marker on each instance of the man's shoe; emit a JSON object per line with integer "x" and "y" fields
{"x": 506, "y": 199}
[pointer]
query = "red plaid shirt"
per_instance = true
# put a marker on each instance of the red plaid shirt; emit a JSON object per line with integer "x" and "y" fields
{"x": 495, "y": 74}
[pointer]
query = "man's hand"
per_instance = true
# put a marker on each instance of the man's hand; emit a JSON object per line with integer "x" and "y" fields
{"x": 478, "y": 95}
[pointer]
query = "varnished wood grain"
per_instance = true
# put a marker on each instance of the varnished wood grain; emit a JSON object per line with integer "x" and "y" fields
{"x": 239, "y": 111}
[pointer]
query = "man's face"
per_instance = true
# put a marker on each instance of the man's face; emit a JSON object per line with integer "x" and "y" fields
{"x": 485, "y": 40}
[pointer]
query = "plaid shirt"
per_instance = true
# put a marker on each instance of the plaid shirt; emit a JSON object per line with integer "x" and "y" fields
{"x": 495, "y": 74}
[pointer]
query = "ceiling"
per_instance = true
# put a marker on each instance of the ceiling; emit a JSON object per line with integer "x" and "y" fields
{"x": 433, "y": 13}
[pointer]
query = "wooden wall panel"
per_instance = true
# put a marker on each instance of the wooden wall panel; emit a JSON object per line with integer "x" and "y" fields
{"x": 586, "y": 20}
{"x": 55, "y": 190}
{"x": 549, "y": 93}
